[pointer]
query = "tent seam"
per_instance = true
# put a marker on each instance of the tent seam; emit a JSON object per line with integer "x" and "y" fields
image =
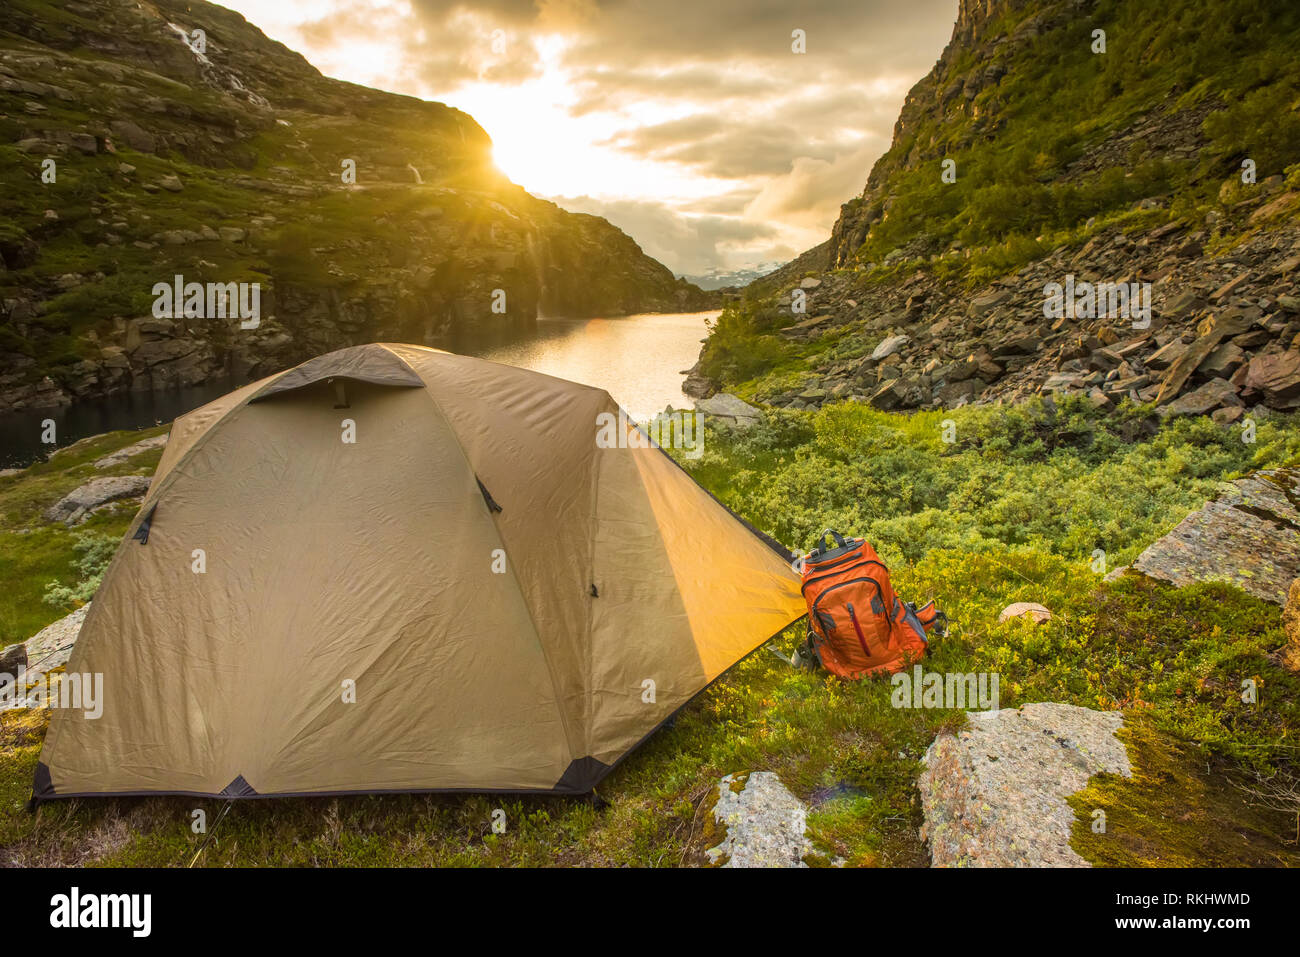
{"x": 593, "y": 525}
{"x": 486, "y": 512}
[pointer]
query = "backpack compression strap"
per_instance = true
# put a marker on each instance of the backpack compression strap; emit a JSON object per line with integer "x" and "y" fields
{"x": 930, "y": 616}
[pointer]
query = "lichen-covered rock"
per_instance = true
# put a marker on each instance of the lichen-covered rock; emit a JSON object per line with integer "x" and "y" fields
{"x": 51, "y": 647}
{"x": 75, "y": 507}
{"x": 1249, "y": 536}
{"x": 993, "y": 795}
{"x": 729, "y": 410}
{"x": 765, "y": 823}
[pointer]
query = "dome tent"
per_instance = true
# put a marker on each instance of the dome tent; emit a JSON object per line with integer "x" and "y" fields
{"x": 393, "y": 568}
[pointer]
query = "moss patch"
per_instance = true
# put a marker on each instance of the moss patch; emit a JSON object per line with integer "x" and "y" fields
{"x": 1183, "y": 807}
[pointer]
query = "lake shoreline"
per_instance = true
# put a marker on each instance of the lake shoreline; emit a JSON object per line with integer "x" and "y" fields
{"x": 637, "y": 358}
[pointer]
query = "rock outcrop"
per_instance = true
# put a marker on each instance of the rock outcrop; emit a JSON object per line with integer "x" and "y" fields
{"x": 131, "y": 451}
{"x": 993, "y": 795}
{"x": 727, "y": 409}
{"x": 927, "y": 343}
{"x": 1249, "y": 535}
{"x": 79, "y": 504}
{"x": 945, "y": 281}
{"x": 51, "y": 647}
{"x": 765, "y": 823}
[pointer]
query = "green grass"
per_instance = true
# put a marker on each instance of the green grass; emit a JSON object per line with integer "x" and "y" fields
{"x": 1060, "y": 479}
{"x": 33, "y": 552}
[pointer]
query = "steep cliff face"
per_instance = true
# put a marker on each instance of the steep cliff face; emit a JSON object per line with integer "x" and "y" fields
{"x": 974, "y": 60}
{"x": 1051, "y": 112}
{"x": 142, "y": 141}
{"x": 1080, "y": 144}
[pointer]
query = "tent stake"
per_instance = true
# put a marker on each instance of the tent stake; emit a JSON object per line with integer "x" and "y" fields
{"x": 212, "y": 833}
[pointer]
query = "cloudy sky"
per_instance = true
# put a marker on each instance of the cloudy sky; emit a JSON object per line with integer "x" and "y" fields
{"x": 690, "y": 124}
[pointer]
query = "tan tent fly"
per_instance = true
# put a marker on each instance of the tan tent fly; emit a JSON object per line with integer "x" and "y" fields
{"x": 393, "y": 569}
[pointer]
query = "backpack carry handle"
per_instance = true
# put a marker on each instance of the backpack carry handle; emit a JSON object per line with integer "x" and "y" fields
{"x": 821, "y": 540}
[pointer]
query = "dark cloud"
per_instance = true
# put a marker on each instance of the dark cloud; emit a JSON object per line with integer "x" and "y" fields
{"x": 869, "y": 35}
{"x": 693, "y": 49}
{"x": 464, "y": 45}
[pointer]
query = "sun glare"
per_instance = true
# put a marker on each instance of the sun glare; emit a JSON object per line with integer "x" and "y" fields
{"x": 541, "y": 145}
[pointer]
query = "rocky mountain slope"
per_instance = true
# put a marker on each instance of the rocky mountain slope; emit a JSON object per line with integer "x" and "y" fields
{"x": 1029, "y": 159}
{"x": 140, "y": 141}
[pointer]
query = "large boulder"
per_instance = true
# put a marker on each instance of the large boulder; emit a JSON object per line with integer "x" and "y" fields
{"x": 133, "y": 136}
{"x": 1181, "y": 369}
{"x": 78, "y": 505}
{"x": 698, "y": 385}
{"x": 893, "y": 394}
{"x": 765, "y": 823}
{"x": 1277, "y": 376}
{"x": 1206, "y": 398}
{"x": 729, "y": 410}
{"x": 1249, "y": 536}
{"x": 994, "y": 794}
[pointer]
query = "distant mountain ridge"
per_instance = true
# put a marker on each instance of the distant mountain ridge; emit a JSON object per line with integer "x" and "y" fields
{"x": 728, "y": 278}
{"x": 185, "y": 142}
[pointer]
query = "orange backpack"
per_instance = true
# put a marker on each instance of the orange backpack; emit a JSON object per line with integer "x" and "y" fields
{"x": 856, "y": 624}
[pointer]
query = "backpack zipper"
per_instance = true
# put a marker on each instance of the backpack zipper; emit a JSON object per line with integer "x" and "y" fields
{"x": 804, "y": 587}
{"x": 862, "y": 639}
{"x": 852, "y": 581}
